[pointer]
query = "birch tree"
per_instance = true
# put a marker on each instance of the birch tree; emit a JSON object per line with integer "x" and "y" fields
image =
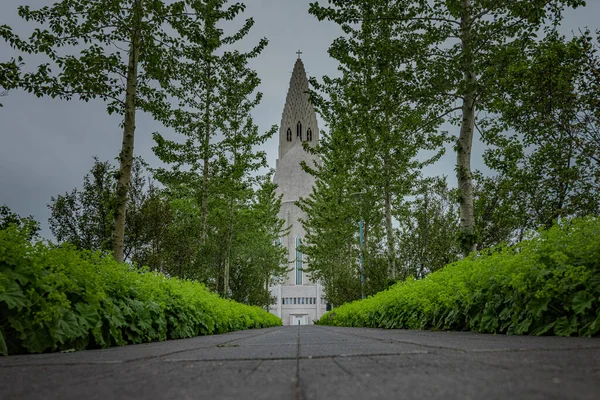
{"x": 454, "y": 46}
{"x": 376, "y": 109}
{"x": 113, "y": 50}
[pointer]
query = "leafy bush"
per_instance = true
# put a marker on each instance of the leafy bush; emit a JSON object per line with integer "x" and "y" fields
{"x": 54, "y": 298}
{"x": 549, "y": 284}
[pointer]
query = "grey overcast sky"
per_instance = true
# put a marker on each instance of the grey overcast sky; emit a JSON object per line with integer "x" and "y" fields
{"x": 46, "y": 146}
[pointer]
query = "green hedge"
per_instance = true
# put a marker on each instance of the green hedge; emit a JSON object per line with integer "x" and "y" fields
{"x": 55, "y": 298}
{"x": 549, "y": 284}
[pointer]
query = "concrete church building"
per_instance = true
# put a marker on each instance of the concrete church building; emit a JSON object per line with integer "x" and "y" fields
{"x": 299, "y": 301}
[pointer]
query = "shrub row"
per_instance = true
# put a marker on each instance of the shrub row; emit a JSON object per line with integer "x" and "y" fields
{"x": 56, "y": 298}
{"x": 548, "y": 284}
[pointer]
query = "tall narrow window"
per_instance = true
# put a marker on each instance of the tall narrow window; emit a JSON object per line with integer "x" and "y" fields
{"x": 298, "y": 261}
{"x": 289, "y": 135}
{"x": 299, "y": 130}
{"x": 309, "y": 135}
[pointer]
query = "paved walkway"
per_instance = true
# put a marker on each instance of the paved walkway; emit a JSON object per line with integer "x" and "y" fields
{"x": 312, "y": 362}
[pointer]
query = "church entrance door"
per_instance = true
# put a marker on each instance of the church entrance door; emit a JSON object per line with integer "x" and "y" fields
{"x": 298, "y": 319}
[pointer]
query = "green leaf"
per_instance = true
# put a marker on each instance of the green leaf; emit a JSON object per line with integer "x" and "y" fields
{"x": 16, "y": 273}
{"x": 538, "y": 305}
{"x": 565, "y": 326}
{"x": 489, "y": 323}
{"x": 582, "y": 301}
{"x": 13, "y": 296}
{"x": 3, "y": 348}
{"x": 505, "y": 314}
{"x": 87, "y": 315}
{"x": 37, "y": 339}
{"x": 523, "y": 326}
{"x": 68, "y": 328}
{"x": 591, "y": 328}
{"x": 543, "y": 329}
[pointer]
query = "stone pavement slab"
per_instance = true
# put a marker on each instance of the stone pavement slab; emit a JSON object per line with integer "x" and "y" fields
{"x": 313, "y": 362}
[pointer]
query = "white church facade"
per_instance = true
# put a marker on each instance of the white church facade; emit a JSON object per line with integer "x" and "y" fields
{"x": 299, "y": 301}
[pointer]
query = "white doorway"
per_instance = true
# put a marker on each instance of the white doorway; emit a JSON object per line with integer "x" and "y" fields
{"x": 298, "y": 319}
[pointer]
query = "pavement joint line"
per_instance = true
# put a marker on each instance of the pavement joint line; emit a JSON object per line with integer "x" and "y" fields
{"x": 65, "y": 364}
{"x": 193, "y": 349}
{"x": 46, "y": 364}
{"x": 261, "y": 360}
{"x": 501, "y": 367}
{"x": 336, "y": 362}
{"x": 3, "y": 365}
{"x": 175, "y": 360}
{"x": 393, "y": 341}
{"x": 297, "y": 389}
{"x": 320, "y": 357}
{"x": 253, "y": 369}
{"x": 531, "y": 349}
{"x": 289, "y": 344}
{"x": 532, "y": 366}
{"x": 503, "y": 350}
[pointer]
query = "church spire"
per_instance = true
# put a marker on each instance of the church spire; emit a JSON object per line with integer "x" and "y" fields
{"x": 298, "y": 127}
{"x": 298, "y": 121}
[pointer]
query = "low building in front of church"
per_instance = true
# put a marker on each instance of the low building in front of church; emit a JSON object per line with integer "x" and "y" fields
{"x": 299, "y": 301}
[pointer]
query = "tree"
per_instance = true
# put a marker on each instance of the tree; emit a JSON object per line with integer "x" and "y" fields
{"x": 454, "y": 45}
{"x": 428, "y": 229}
{"x": 112, "y": 50}
{"x": 369, "y": 101}
{"x": 9, "y": 76}
{"x": 500, "y": 212}
{"x": 587, "y": 118}
{"x": 153, "y": 222}
{"x": 257, "y": 258}
{"x": 198, "y": 89}
{"x": 241, "y": 137}
{"x": 543, "y": 140}
{"x": 213, "y": 167}
{"x": 28, "y": 224}
{"x": 84, "y": 217}
{"x": 332, "y": 220}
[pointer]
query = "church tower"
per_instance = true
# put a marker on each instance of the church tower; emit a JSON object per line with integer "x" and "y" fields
{"x": 299, "y": 301}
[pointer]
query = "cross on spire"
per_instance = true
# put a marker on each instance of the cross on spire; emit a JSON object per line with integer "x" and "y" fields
{"x": 298, "y": 52}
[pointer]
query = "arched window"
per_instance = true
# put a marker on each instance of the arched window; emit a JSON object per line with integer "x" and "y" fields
{"x": 299, "y": 130}
{"x": 298, "y": 262}
{"x": 289, "y": 135}
{"x": 309, "y": 135}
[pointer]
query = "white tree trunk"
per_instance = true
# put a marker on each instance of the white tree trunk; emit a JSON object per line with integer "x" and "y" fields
{"x": 206, "y": 160}
{"x": 465, "y": 139}
{"x": 126, "y": 155}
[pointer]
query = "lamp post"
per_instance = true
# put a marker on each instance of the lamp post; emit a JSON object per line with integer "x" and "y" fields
{"x": 361, "y": 241}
